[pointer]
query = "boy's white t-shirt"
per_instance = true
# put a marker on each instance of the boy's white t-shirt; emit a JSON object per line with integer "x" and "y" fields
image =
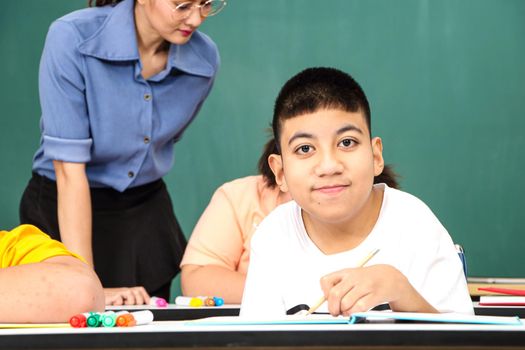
{"x": 286, "y": 266}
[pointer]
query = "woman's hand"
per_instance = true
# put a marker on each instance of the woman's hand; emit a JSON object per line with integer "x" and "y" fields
{"x": 126, "y": 296}
{"x": 360, "y": 289}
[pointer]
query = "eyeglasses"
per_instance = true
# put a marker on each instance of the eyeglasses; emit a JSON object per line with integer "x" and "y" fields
{"x": 183, "y": 10}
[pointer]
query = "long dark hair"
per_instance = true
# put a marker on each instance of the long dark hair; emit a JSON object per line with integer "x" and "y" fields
{"x": 264, "y": 167}
{"x": 318, "y": 88}
{"x": 98, "y": 3}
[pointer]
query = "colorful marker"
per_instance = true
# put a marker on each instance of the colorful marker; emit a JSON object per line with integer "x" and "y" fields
{"x": 208, "y": 301}
{"x": 157, "y": 301}
{"x": 188, "y": 301}
{"x": 125, "y": 320}
{"x": 142, "y": 317}
{"x": 79, "y": 321}
{"x": 93, "y": 319}
{"x": 109, "y": 318}
{"x": 212, "y": 301}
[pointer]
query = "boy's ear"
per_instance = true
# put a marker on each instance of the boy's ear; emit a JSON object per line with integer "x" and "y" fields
{"x": 276, "y": 164}
{"x": 377, "y": 150}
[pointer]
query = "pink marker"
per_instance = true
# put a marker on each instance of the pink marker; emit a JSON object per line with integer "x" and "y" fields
{"x": 157, "y": 301}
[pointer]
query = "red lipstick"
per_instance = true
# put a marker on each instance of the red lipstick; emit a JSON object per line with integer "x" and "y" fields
{"x": 186, "y": 33}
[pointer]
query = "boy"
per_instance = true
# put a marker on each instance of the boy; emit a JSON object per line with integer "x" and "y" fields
{"x": 312, "y": 246}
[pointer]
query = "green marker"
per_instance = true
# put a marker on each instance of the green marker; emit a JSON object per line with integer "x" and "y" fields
{"x": 109, "y": 318}
{"x": 93, "y": 320}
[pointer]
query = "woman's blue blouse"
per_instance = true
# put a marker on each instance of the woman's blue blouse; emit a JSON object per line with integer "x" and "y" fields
{"x": 96, "y": 107}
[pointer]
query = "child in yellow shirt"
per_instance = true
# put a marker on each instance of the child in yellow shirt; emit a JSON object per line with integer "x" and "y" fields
{"x": 41, "y": 281}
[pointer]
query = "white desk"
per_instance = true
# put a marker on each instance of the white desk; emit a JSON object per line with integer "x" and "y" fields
{"x": 180, "y": 334}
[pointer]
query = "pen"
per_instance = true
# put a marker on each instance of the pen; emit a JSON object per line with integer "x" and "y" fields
{"x": 361, "y": 264}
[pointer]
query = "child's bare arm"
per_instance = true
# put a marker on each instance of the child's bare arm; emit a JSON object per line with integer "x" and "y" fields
{"x": 49, "y": 291}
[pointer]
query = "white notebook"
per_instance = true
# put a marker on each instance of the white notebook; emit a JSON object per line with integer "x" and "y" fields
{"x": 501, "y": 300}
{"x": 358, "y": 317}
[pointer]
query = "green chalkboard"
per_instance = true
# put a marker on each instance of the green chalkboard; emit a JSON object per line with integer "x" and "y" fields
{"x": 446, "y": 81}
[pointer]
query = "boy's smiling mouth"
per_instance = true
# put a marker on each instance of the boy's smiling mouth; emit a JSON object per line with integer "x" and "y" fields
{"x": 331, "y": 189}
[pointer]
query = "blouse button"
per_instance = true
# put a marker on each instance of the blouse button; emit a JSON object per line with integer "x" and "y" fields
{"x": 131, "y": 174}
{"x": 147, "y": 97}
{"x": 146, "y": 140}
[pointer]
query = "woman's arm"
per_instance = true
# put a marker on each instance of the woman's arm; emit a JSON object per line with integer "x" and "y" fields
{"x": 49, "y": 291}
{"x": 75, "y": 223}
{"x": 74, "y": 208}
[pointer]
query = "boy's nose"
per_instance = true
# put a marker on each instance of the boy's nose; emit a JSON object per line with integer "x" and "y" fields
{"x": 329, "y": 164}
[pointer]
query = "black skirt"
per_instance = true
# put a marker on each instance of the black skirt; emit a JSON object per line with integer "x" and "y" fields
{"x": 137, "y": 240}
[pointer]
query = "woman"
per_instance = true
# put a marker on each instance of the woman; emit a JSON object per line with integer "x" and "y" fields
{"x": 119, "y": 83}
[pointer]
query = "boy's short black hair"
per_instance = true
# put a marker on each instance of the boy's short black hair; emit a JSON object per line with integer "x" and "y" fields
{"x": 318, "y": 88}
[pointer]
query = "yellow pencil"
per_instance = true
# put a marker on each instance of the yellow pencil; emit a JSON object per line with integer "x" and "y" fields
{"x": 363, "y": 263}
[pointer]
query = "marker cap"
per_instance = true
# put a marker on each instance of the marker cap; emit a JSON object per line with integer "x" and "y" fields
{"x": 79, "y": 321}
{"x": 157, "y": 301}
{"x": 109, "y": 318}
{"x": 209, "y": 301}
{"x": 93, "y": 319}
{"x": 125, "y": 320}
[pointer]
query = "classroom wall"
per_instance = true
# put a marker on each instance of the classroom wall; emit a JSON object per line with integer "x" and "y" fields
{"x": 445, "y": 80}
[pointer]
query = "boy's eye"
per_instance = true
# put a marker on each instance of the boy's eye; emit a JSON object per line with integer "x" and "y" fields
{"x": 347, "y": 143}
{"x": 304, "y": 149}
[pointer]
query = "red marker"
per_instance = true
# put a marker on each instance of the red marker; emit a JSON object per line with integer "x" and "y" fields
{"x": 79, "y": 321}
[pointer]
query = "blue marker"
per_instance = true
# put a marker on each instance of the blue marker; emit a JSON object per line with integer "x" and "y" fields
{"x": 218, "y": 301}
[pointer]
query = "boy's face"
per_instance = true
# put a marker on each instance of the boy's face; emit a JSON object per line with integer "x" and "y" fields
{"x": 328, "y": 164}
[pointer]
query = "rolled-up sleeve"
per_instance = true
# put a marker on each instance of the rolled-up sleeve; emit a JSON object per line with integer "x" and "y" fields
{"x": 65, "y": 120}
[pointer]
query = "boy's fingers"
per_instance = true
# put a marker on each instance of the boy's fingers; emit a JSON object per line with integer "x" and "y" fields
{"x": 359, "y": 304}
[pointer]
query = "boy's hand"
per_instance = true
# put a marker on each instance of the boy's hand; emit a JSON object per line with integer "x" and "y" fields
{"x": 360, "y": 289}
